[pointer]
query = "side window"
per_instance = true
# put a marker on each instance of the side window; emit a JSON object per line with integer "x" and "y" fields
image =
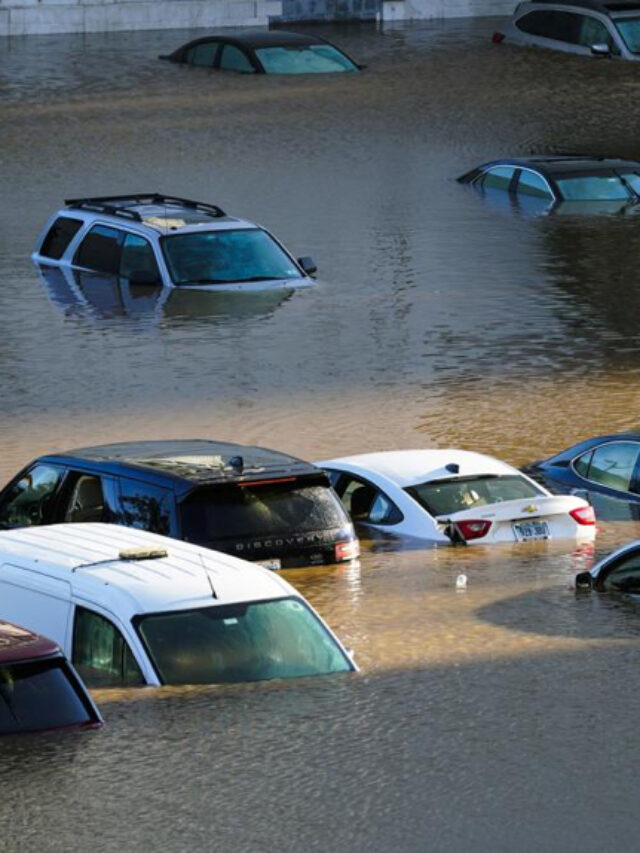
{"x": 612, "y": 465}
{"x": 100, "y": 250}
{"x": 101, "y": 654}
{"x": 334, "y": 477}
{"x": 497, "y": 178}
{"x": 564, "y": 26}
{"x": 624, "y": 576}
{"x": 365, "y": 502}
{"x": 61, "y": 233}
{"x": 137, "y": 256}
{"x": 582, "y": 463}
{"x": 146, "y": 507}
{"x": 203, "y": 55}
{"x": 86, "y": 502}
{"x": 234, "y": 59}
{"x": 530, "y": 183}
{"x": 593, "y": 31}
{"x": 535, "y": 23}
{"x": 28, "y": 501}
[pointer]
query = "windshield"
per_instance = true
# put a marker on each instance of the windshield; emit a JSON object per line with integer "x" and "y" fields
{"x": 39, "y": 695}
{"x": 311, "y": 59}
{"x": 594, "y": 188}
{"x": 241, "y": 642}
{"x": 444, "y": 497}
{"x": 226, "y": 257}
{"x": 629, "y": 29}
{"x": 289, "y": 507}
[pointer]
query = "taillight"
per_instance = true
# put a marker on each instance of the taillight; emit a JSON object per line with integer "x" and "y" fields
{"x": 497, "y": 38}
{"x": 473, "y": 529}
{"x": 347, "y": 550}
{"x": 583, "y": 515}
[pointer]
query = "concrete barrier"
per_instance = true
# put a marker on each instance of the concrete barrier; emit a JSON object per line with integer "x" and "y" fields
{"x": 413, "y": 10}
{"x": 26, "y": 17}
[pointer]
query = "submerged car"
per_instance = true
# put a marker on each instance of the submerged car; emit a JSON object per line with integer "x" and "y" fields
{"x": 606, "y": 465}
{"x": 154, "y": 239}
{"x": 618, "y": 572}
{"x": 560, "y": 180}
{"x": 249, "y": 501}
{"x": 39, "y": 690}
{"x": 264, "y": 52}
{"x": 132, "y": 608}
{"x": 587, "y": 27}
{"x": 457, "y": 496}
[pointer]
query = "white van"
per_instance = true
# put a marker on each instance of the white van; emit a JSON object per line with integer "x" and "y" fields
{"x": 130, "y": 607}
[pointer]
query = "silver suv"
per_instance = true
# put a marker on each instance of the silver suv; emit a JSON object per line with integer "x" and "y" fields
{"x": 154, "y": 239}
{"x": 589, "y": 27}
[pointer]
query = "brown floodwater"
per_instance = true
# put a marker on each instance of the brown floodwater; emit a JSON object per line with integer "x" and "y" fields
{"x": 494, "y": 718}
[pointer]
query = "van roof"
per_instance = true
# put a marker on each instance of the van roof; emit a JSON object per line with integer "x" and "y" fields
{"x": 88, "y": 561}
{"x": 19, "y": 644}
{"x": 602, "y": 6}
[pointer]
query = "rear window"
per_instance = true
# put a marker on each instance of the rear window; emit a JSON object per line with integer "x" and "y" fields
{"x": 276, "y": 508}
{"x": 61, "y": 233}
{"x": 443, "y": 497}
{"x": 40, "y": 695}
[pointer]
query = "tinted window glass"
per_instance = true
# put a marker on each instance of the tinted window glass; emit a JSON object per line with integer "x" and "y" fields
{"x": 624, "y": 576}
{"x": 582, "y": 463}
{"x": 248, "y": 642}
{"x": 629, "y": 29}
{"x": 101, "y": 654}
{"x": 444, "y": 497}
{"x": 223, "y": 257}
{"x": 593, "y": 31}
{"x": 100, "y": 250}
{"x": 59, "y": 236}
{"x": 87, "y": 500}
{"x": 279, "y": 508}
{"x": 633, "y": 180}
{"x": 314, "y": 59}
{"x": 203, "y": 54}
{"x": 234, "y": 59}
{"x": 593, "y": 188}
{"x": 365, "y": 502}
{"x": 612, "y": 465}
{"x": 497, "y": 178}
{"x": 564, "y": 26}
{"x": 144, "y": 506}
{"x": 137, "y": 256}
{"x": 39, "y": 695}
{"x": 535, "y": 23}
{"x": 29, "y": 500}
{"x": 533, "y": 184}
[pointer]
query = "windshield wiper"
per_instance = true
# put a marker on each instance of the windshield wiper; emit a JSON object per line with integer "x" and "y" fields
{"x": 232, "y": 280}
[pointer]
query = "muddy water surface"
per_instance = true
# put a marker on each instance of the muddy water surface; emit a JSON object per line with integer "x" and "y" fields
{"x": 496, "y": 718}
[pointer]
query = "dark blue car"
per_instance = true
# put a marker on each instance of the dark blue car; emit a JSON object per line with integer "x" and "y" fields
{"x": 606, "y": 467}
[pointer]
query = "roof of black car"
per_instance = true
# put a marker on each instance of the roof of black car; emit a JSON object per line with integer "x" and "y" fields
{"x": 263, "y": 38}
{"x": 595, "y": 5}
{"x": 191, "y": 461}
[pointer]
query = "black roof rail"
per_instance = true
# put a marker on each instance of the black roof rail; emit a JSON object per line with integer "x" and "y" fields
{"x": 109, "y": 204}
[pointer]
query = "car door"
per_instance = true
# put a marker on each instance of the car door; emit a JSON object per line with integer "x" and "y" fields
{"x": 147, "y": 507}
{"x": 609, "y": 475}
{"x": 32, "y": 497}
{"x": 622, "y": 574}
{"x": 533, "y": 192}
{"x": 203, "y": 55}
{"x": 366, "y": 503}
{"x": 87, "y": 496}
{"x": 102, "y": 653}
{"x": 233, "y": 58}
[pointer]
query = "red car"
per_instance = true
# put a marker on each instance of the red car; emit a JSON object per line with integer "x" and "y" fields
{"x": 39, "y": 689}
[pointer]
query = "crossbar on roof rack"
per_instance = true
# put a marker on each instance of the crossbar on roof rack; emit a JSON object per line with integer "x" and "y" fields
{"x": 109, "y": 204}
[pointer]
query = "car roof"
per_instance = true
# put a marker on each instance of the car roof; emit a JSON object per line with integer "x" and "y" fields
{"x": 412, "y": 467}
{"x": 89, "y": 558}
{"x": 189, "y": 462}
{"x": 594, "y": 5}
{"x": 256, "y": 39}
{"x": 161, "y": 213}
{"x": 561, "y": 164}
{"x": 19, "y": 644}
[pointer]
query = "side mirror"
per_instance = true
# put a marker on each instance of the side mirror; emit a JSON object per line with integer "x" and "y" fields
{"x": 584, "y": 580}
{"x": 145, "y": 277}
{"x": 600, "y": 49}
{"x": 308, "y": 265}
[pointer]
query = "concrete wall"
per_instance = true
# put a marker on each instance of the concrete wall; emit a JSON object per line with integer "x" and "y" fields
{"x": 330, "y": 10}
{"x": 25, "y": 17}
{"x": 412, "y": 10}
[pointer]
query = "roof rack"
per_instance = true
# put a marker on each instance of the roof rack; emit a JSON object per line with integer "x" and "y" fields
{"x": 110, "y": 205}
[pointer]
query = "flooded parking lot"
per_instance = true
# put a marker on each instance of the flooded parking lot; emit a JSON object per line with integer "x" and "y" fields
{"x": 491, "y": 718}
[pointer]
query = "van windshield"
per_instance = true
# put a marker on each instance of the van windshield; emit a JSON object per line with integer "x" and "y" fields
{"x": 443, "y": 497}
{"x": 39, "y": 695}
{"x": 282, "y": 638}
{"x": 278, "y": 508}
{"x": 629, "y": 29}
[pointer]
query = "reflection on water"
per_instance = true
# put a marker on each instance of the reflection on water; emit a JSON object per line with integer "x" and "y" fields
{"x": 437, "y": 321}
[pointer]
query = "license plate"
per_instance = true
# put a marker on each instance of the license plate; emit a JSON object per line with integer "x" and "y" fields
{"x": 273, "y": 565}
{"x": 525, "y": 531}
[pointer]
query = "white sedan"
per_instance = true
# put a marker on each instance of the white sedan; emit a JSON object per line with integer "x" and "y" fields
{"x": 454, "y": 496}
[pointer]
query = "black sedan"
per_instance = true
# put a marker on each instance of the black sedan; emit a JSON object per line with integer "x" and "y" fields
{"x": 264, "y": 52}
{"x": 554, "y": 180}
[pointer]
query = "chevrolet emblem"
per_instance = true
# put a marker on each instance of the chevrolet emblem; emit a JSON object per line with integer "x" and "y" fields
{"x": 530, "y": 508}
